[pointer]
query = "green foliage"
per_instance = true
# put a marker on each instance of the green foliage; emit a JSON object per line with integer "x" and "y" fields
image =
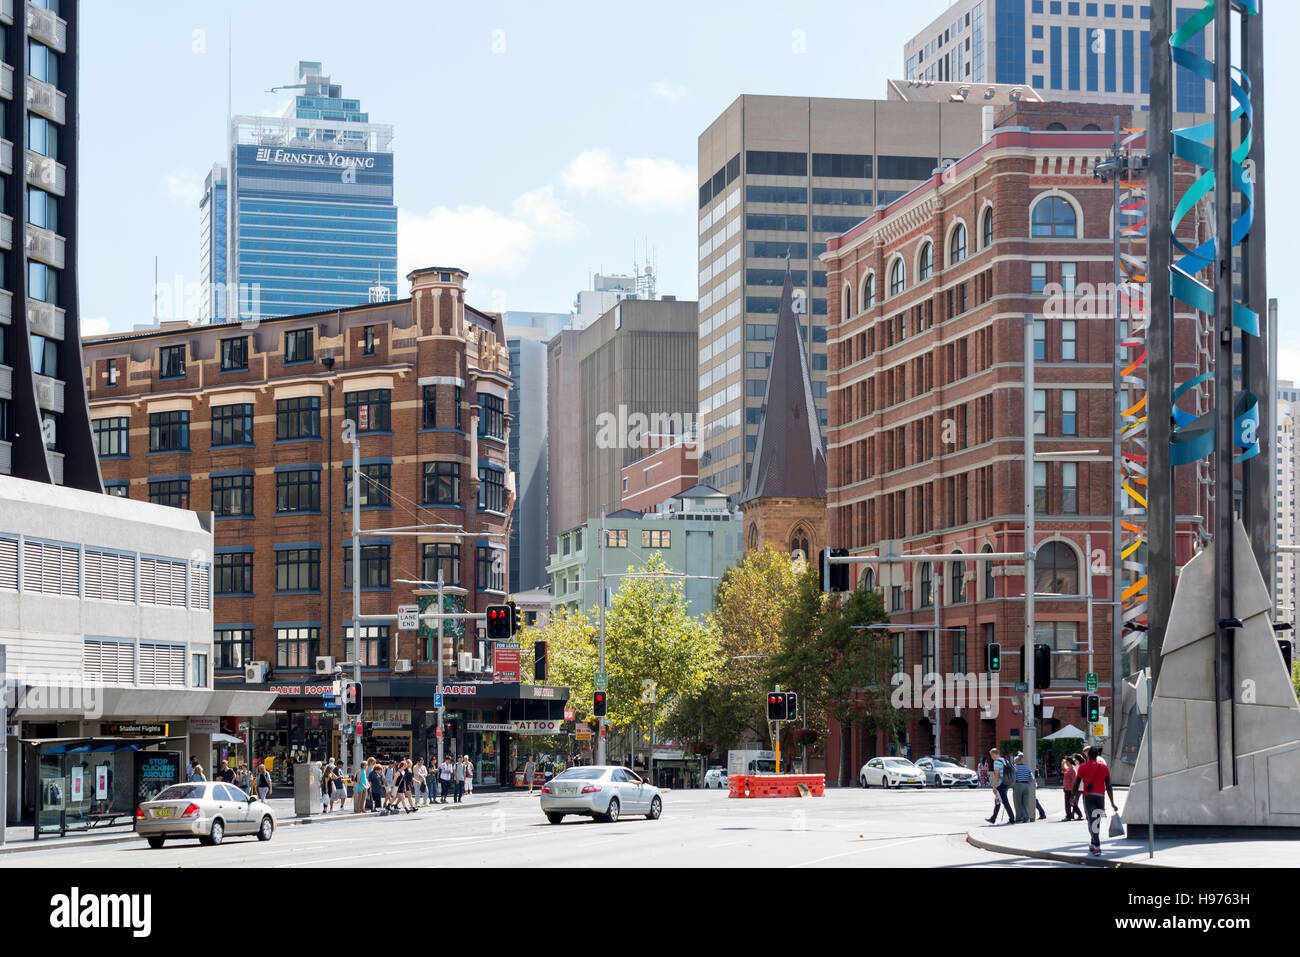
{"x": 572, "y": 655}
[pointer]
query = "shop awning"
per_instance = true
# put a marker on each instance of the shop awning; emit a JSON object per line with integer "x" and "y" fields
{"x": 163, "y": 702}
{"x": 77, "y": 745}
{"x": 226, "y": 739}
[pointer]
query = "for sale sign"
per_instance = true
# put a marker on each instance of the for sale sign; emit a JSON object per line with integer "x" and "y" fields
{"x": 505, "y": 663}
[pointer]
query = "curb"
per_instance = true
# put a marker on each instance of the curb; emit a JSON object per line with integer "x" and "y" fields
{"x": 1060, "y": 856}
{"x": 55, "y": 844}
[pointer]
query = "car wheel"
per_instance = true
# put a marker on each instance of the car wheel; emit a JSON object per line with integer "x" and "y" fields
{"x": 611, "y": 813}
{"x": 885, "y": 780}
{"x": 656, "y": 808}
{"x": 862, "y": 780}
{"x": 267, "y": 829}
{"x": 553, "y": 817}
{"x": 216, "y": 836}
{"x": 156, "y": 842}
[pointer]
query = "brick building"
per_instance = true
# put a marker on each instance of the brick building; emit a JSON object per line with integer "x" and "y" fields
{"x": 926, "y": 436}
{"x": 670, "y": 465}
{"x": 247, "y": 421}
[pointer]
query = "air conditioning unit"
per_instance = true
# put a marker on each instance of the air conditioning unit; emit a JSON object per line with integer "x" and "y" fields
{"x": 476, "y": 664}
{"x": 464, "y": 661}
{"x": 255, "y": 672}
{"x": 325, "y": 665}
{"x": 402, "y": 666}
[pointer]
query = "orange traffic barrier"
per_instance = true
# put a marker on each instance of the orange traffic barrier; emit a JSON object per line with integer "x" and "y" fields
{"x": 776, "y": 785}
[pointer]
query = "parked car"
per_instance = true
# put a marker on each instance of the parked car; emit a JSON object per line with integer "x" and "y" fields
{"x": 715, "y": 778}
{"x": 600, "y": 793}
{"x": 208, "y": 810}
{"x": 891, "y": 773}
{"x": 946, "y": 773}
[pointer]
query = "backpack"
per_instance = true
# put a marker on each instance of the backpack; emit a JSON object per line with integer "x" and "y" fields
{"x": 1006, "y": 769}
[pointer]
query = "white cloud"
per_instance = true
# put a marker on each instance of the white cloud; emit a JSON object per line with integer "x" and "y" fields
{"x": 669, "y": 91}
{"x": 1288, "y": 363}
{"x": 94, "y": 327}
{"x": 639, "y": 181}
{"x": 479, "y": 238}
{"x": 183, "y": 188}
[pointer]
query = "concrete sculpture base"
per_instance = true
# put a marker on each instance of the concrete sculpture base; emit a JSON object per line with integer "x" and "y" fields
{"x": 1265, "y": 711}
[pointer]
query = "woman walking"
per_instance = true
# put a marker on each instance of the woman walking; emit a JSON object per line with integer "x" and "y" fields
{"x": 1069, "y": 771}
{"x": 263, "y": 782}
{"x": 469, "y": 777}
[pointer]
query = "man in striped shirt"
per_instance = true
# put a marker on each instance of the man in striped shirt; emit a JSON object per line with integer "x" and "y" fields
{"x": 1024, "y": 790}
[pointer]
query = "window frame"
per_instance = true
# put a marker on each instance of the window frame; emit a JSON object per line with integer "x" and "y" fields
{"x": 119, "y": 429}
{"x": 299, "y": 346}
{"x": 173, "y": 422}
{"x": 289, "y": 483}
{"x": 227, "y": 349}
{"x": 171, "y": 361}
{"x": 222, "y": 419}
{"x": 292, "y": 565}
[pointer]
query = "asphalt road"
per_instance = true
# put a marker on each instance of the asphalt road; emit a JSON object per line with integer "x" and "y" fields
{"x": 847, "y": 828}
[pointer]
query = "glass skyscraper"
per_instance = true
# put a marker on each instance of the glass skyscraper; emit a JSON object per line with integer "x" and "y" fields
{"x": 311, "y": 223}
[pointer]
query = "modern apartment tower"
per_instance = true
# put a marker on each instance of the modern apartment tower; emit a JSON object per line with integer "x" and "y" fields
{"x": 781, "y": 174}
{"x": 311, "y": 220}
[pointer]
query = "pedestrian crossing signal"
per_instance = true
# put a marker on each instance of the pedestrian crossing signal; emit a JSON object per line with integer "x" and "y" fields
{"x": 499, "y": 620}
{"x": 352, "y": 699}
{"x": 791, "y": 705}
{"x": 776, "y": 706}
{"x": 598, "y": 704}
{"x": 1091, "y": 708}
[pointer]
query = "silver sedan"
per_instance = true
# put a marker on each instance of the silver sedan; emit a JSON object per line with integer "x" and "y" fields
{"x": 208, "y": 810}
{"x": 601, "y": 793}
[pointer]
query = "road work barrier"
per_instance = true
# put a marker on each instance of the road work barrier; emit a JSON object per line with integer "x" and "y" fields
{"x": 776, "y": 785}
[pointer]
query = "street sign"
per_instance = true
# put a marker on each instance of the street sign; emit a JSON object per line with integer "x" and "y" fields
{"x": 1092, "y": 681}
{"x": 1021, "y": 687}
{"x": 437, "y": 700}
{"x": 569, "y": 714}
{"x": 440, "y": 732}
{"x": 408, "y": 617}
{"x": 601, "y": 679}
{"x": 1100, "y": 728}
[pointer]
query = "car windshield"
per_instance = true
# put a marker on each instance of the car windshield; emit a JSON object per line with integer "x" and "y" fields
{"x": 181, "y": 792}
{"x": 581, "y": 774}
{"x": 946, "y": 764}
{"x": 898, "y": 762}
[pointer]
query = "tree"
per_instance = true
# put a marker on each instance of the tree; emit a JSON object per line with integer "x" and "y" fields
{"x": 572, "y": 655}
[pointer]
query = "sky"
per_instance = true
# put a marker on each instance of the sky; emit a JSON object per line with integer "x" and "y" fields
{"x": 535, "y": 143}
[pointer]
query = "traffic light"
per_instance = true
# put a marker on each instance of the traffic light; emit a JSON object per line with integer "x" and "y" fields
{"x": 499, "y": 619}
{"x": 1091, "y": 708}
{"x": 993, "y": 657}
{"x": 539, "y": 661}
{"x": 598, "y": 704}
{"x": 791, "y": 706}
{"x": 776, "y": 706}
{"x": 352, "y": 699}
{"x": 1042, "y": 666}
{"x": 839, "y": 574}
{"x": 516, "y": 617}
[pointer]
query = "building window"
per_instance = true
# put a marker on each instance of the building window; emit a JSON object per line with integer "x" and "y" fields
{"x": 1063, "y": 638}
{"x": 448, "y": 417}
{"x": 169, "y": 431}
{"x": 491, "y": 568}
{"x": 234, "y": 353}
{"x": 616, "y": 538}
{"x": 369, "y": 348}
{"x": 232, "y": 648}
{"x": 896, "y": 598}
{"x": 927, "y": 653}
{"x": 1040, "y": 340}
{"x": 990, "y": 590}
{"x": 297, "y": 418}
{"x": 958, "y": 651}
{"x": 957, "y": 593}
{"x": 1053, "y": 216}
{"x": 444, "y": 558}
{"x": 298, "y": 569}
{"x": 374, "y": 566}
{"x": 1040, "y": 412}
{"x": 897, "y": 278}
{"x": 111, "y": 436}
{"x": 296, "y": 647}
{"x": 112, "y": 372}
{"x": 927, "y": 588}
{"x": 957, "y": 245}
{"x": 442, "y": 483}
{"x": 119, "y": 489}
{"x": 171, "y": 362}
{"x": 491, "y": 490}
{"x": 173, "y": 492}
{"x": 1069, "y": 340}
{"x": 369, "y": 410}
{"x": 896, "y": 642}
{"x": 233, "y": 573}
{"x": 1040, "y": 487}
{"x": 492, "y": 418}
{"x": 297, "y": 490}
{"x": 1069, "y": 412}
{"x": 232, "y": 424}
{"x": 199, "y": 670}
{"x": 232, "y": 495}
{"x": 1037, "y": 277}
{"x": 1069, "y": 273}
{"x": 297, "y": 346}
{"x": 1070, "y": 488}
{"x": 375, "y": 490}
{"x": 986, "y": 229}
{"x": 1056, "y": 570}
{"x": 374, "y": 641}
{"x": 925, "y": 265}
{"x": 869, "y": 292}
{"x": 656, "y": 538}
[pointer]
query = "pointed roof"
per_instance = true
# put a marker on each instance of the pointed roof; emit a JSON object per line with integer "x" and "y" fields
{"x": 789, "y": 461}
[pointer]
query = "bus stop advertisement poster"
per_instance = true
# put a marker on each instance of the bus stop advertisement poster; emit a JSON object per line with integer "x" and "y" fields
{"x": 155, "y": 770}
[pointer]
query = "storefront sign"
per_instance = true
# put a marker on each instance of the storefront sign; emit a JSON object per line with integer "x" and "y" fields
{"x": 489, "y": 726}
{"x": 543, "y": 692}
{"x": 204, "y": 725}
{"x": 390, "y": 719}
{"x": 505, "y": 663}
{"x": 460, "y": 691}
{"x": 133, "y": 730}
{"x": 536, "y": 726}
{"x": 317, "y": 690}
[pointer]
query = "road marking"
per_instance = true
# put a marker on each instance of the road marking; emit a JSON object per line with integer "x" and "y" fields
{"x": 873, "y": 847}
{"x": 728, "y": 844}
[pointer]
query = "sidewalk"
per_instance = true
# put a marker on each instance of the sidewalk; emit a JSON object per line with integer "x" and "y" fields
{"x": 1054, "y": 840}
{"x": 19, "y": 838}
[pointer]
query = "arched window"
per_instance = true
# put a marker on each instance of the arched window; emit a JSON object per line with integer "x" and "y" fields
{"x": 1091, "y": 128}
{"x": 846, "y": 302}
{"x": 958, "y": 578}
{"x": 752, "y": 538}
{"x": 986, "y": 229}
{"x": 1056, "y": 127}
{"x": 925, "y": 265}
{"x": 926, "y": 588}
{"x": 1053, "y": 216}
{"x": 869, "y": 291}
{"x": 869, "y": 582}
{"x": 1056, "y": 570}
{"x": 897, "y": 278}
{"x": 957, "y": 245}
{"x": 799, "y": 543}
{"x": 989, "y": 590}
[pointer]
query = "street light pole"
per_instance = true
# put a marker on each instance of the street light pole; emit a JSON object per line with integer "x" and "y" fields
{"x": 1030, "y": 726}
{"x": 442, "y": 608}
{"x": 600, "y": 731}
{"x": 349, "y": 435}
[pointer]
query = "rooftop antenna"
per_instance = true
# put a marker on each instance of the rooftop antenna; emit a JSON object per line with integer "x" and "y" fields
{"x": 379, "y": 292}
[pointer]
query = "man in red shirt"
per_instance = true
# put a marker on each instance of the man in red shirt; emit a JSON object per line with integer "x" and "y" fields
{"x": 1093, "y": 777}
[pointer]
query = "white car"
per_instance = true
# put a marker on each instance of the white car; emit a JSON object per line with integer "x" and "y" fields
{"x": 207, "y": 810}
{"x": 946, "y": 774}
{"x": 715, "y": 778}
{"x": 891, "y": 773}
{"x": 600, "y": 792}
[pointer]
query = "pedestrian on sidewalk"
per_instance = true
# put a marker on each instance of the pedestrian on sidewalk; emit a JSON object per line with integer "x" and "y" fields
{"x": 469, "y": 777}
{"x": 529, "y": 768}
{"x": 196, "y": 773}
{"x": 1093, "y": 778}
{"x": 444, "y": 778}
{"x": 1067, "y": 787}
{"x": 1023, "y": 790}
{"x": 327, "y": 787}
{"x": 420, "y": 775}
{"x": 1001, "y": 780}
{"x": 226, "y": 773}
{"x": 377, "y": 788}
{"x": 403, "y": 783}
{"x": 263, "y": 782}
{"x": 390, "y": 787}
{"x": 360, "y": 791}
{"x": 242, "y": 779}
{"x": 458, "y": 775}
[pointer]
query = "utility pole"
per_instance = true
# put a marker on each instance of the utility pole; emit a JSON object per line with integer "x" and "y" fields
{"x": 600, "y": 731}
{"x": 1031, "y": 726}
{"x": 349, "y": 435}
{"x": 441, "y": 611}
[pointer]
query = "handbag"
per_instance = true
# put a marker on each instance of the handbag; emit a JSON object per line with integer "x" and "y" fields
{"x": 1116, "y": 825}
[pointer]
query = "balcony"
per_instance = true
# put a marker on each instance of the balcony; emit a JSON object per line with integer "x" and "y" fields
{"x": 45, "y": 246}
{"x": 46, "y": 173}
{"x": 55, "y": 460}
{"x": 45, "y": 320}
{"x": 6, "y": 382}
{"x": 6, "y": 232}
{"x": 6, "y": 81}
{"x": 49, "y": 393}
{"x": 43, "y": 25}
{"x": 46, "y": 100}
{"x": 6, "y": 458}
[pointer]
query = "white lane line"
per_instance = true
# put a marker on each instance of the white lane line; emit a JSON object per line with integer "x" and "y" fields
{"x": 873, "y": 847}
{"x": 727, "y": 844}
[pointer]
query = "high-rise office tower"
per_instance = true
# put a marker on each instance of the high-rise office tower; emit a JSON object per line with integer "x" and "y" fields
{"x": 311, "y": 223}
{"x": 212, "y": 245}
{"x": 781, "y": 174}
{"x": 45, "y": 432}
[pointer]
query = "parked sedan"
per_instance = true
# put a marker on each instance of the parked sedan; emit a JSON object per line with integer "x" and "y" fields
{"x": 891, "y": 773}
{"x": 715, "y": 778}
{"x": 601, "y": 793}
{"x": 944, "y": 773}
{"x": 208, "y": 810}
